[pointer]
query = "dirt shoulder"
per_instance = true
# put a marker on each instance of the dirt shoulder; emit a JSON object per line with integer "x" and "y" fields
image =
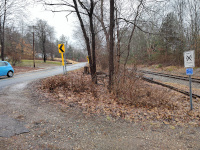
{"x": 19, "y": 69}
{"x": 24, "y": 69}
{"x": 53, "y": 126}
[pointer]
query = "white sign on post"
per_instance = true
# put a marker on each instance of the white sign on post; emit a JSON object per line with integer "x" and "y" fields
{"x": 189, "y": 65}
{"x": 189, "y": 59}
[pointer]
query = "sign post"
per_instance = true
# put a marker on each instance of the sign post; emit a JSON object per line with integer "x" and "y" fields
{"x": 189, "y": 64}
{"x": 61, "y": 49}
{"x": 65, "y": 63}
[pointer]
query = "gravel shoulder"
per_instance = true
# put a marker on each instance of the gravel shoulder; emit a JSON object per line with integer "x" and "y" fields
{"x": 52, "y": 126}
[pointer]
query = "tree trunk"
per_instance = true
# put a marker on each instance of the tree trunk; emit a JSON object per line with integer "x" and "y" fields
{"x": 3, "y": 32}
{"x": 44, "y": 51}
{"x": 93, "y": 71}
{"x": 118, "y": 44}
{"x": 111, "y": 63}
{"x": 91, "y": 56}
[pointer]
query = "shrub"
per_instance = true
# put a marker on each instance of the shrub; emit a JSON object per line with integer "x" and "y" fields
{"x": 14, "y": 58}
{"x": 67, "y": 83}
{"x": 131, "y": 90}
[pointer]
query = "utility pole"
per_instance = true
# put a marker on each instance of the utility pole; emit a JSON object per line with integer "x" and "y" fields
{"x": 33, "y": 48}
{"x": 73, "y": 55}
{"x": 33, "y": 27}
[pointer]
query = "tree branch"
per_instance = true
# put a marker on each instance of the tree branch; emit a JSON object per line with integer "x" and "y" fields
{"x": 59, "y": 4}
{"x": 83, "y": 6}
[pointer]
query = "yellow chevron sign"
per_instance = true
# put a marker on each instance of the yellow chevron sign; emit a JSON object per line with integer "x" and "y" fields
{"x": 61, "y": 48}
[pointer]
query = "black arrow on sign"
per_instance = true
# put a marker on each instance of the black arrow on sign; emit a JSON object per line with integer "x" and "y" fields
{"x": 61, "y": 48}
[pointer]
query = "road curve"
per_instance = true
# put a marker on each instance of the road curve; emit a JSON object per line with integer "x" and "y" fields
{"x": 30, "y": 76}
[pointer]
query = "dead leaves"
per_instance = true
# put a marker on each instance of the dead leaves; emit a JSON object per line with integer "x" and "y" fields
{"x": 149, "y": 104}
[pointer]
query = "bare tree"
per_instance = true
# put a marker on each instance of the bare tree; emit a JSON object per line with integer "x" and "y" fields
{"x": 9, "y": 9}
{"x": 194, "y": 7}
{"x": 51, "y": 46}
{"x": 43, "y": 31}
{"x": 85, "y": 8}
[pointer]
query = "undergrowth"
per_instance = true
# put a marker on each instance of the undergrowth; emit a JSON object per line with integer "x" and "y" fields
{"x": 132, "y": 99}
{"x": 131, "y": 90}
{"x": 68, "y": 83}
{"x": 128, "y": 89}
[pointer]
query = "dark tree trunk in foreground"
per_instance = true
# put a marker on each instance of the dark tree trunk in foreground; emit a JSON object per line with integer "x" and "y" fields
{"x": 111, "y": 62}
{"x": 2, "y": 30}
{"x": 91, "y": 55}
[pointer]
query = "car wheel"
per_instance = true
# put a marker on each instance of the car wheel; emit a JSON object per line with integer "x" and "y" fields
{"x": 10, "y": 74}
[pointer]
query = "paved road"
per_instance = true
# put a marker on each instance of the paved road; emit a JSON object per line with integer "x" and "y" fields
{"x": 20, "y": 78}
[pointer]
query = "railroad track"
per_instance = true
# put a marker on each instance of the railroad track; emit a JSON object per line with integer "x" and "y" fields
{"x": 170, "y": 87}
{"x": 196, "y": 80}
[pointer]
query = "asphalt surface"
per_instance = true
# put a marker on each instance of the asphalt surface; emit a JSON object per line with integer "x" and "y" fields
{"x": 10, "y": 126}
{"x": 30, "y": 76}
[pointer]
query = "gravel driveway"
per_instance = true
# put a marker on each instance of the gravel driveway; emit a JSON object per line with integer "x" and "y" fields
{"x": 50, "y": 126}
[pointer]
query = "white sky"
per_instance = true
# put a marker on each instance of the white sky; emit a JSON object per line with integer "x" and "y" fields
{"x": 61, "y": 24}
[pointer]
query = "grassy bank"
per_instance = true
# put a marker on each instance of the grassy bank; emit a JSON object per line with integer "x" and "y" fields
{"x": 38, "y": 63}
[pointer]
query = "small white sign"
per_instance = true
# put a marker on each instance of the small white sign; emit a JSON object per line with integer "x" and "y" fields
{"x": 189, "y": 59}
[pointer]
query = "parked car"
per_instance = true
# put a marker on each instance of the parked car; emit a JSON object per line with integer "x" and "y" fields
{"x": 6, "y": 69}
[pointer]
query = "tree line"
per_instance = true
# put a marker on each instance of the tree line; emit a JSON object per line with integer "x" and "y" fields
{"x": 118, "y": 32}
{"x": 18, "y": 38}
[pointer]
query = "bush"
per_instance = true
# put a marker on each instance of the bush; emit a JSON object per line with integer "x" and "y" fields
{"x": 131, "y": 90}
{"x": 103, "y": 62}
{"x": 14, "y": 58}
{"x": 68, "y": 83}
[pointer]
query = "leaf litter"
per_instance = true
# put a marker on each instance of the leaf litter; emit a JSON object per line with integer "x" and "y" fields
{"x": 148, "y": 103}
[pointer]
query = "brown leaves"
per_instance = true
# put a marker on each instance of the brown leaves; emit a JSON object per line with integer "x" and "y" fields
{"x": 145, "y": 103}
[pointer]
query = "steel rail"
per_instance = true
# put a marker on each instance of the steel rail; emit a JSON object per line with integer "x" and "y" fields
{"x": 170, "y": 87}
{"x": 196, "y": 80}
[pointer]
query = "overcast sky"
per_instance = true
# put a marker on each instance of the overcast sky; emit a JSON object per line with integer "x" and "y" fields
{"x": 61, "y": 24}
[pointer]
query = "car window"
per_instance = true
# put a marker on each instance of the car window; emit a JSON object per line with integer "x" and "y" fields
{"x": 6, "y": 64}
{"x": 2, "y": 64}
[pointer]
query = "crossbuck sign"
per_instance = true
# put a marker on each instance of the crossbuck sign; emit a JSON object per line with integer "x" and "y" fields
{"x": 189, "y": 65}
{"x": 189, "y": 59}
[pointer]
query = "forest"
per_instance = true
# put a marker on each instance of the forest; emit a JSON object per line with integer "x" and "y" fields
{"x": 119, "y": 33}
{"x": 115, "y": 33}
{"x": 18, "y": 38}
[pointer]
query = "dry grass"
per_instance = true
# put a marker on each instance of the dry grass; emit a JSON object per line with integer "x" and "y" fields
{"x": 68, "y": 60}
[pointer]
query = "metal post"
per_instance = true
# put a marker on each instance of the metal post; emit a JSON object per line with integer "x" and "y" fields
{"x": 190, "y": 84}
{"x": 65, "y": 63}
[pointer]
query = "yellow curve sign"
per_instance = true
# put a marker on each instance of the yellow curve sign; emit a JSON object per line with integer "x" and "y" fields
{"x": 61, "y": 48}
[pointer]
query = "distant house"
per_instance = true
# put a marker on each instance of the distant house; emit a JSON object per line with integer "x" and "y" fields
{"x": 41, "y": 55}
